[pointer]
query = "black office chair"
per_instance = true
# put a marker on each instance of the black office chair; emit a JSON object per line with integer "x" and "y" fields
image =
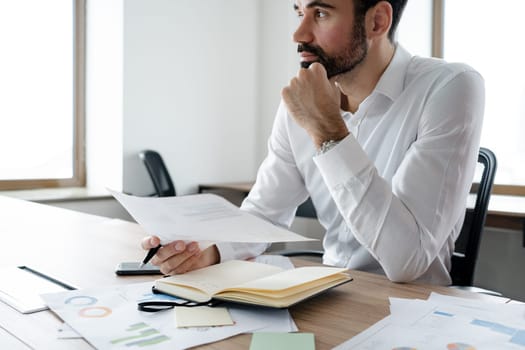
{"x": 306, "y": 210}
{"x": 158, "y": 172}
{"x": 467, "y": 245}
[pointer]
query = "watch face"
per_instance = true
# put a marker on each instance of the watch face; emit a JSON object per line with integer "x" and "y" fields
{"x": 326, "y": 146}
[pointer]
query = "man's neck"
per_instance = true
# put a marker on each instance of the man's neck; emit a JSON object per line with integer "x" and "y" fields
{"x": 360, "y": 82}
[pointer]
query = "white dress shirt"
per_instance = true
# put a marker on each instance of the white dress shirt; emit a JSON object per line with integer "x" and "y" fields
{"x": 392, "y": 194}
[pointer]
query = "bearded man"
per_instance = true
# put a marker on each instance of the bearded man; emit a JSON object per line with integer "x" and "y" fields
{"x": 383, "y": 142}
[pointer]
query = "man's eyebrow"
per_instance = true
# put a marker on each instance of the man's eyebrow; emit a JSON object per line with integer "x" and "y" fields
{"x": 315, "y": 3}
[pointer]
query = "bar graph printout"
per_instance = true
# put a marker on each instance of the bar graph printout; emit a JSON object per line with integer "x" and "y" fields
{"x": 447, "y": 324}
{"x": 108, "y": 318}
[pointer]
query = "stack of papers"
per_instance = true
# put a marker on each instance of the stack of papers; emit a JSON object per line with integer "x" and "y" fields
{"x": 444, "y": 322}
{"x": 108, "y": 318}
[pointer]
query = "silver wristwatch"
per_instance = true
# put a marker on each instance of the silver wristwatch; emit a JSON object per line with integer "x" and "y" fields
{"x": 326, "y": 146}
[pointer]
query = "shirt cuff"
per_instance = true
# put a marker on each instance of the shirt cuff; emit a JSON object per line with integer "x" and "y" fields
{"x": 345, "y": 160}
{"x": 226, "y": 251}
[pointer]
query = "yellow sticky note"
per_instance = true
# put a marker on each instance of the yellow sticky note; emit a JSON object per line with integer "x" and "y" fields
{"x": 202, "y": 316}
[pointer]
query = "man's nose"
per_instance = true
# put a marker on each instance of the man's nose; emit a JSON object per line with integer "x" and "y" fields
{"x": 303, "y": 34}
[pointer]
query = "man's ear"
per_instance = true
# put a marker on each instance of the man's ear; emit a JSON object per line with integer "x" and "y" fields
{"x": 378, "y": 20}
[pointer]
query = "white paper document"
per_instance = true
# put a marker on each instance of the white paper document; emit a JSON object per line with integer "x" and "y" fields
{"x": 201, "y": 217}
{"x": 20, "y": 288}
{"x": 108, "y": 318}
{"x": 443, "y": 322}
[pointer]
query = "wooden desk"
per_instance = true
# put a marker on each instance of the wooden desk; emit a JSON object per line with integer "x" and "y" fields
{"x": 83, "y": 250}
{"x": 243, "y": 187}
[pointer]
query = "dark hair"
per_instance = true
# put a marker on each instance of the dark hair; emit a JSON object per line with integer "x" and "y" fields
{"x": 362, "y": 6}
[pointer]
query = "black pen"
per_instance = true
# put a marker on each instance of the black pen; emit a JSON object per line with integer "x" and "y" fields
{"x": 150, "y": 254}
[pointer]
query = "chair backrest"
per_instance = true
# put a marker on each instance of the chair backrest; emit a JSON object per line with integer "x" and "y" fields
{"x": 158, "y": 172}
{"x": 467, "y": 245}
{"x": 306, "y": 209}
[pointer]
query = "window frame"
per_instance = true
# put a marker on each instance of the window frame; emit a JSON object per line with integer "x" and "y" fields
{"x": 79, "y": 78}
{"x": 438, "y": 38}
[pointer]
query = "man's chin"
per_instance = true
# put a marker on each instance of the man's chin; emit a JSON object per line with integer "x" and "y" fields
{"x": 339, "y": 72}
{"x": 330, "y": 74}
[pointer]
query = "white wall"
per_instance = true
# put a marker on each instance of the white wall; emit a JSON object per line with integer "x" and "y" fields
{"x": 104, "y": 30}
{"x": 278, "y": 63}
{"x": 202, "y": 83}
{"x": 190, "y": 90}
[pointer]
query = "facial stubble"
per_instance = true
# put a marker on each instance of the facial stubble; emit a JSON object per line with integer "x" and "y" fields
{"x": 349, "y": 57}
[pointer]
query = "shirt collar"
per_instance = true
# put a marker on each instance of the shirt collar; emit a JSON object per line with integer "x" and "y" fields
{"x": 392, "y": 82}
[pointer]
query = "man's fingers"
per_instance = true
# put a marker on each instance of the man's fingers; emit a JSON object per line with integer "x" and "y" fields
{"x": 168, "y": 250}
{"x": 182, "y": 261}
{"x": 317, "y": 67}
{"x": 184, "y": 266}
{"x": 150, "y": 242}
{"x": 177, "y": 256}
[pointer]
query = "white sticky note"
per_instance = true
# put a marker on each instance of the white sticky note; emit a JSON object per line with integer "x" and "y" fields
{"x": 202, "y": 316}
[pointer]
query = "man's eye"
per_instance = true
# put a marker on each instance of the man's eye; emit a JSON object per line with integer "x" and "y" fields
{"x": 320, "y": 14}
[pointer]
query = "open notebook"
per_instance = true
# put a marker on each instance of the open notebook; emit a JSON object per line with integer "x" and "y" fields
{"x": 253, "y": 283}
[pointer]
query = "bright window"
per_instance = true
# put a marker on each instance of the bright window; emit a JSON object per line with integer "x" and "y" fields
{"x": 489, "y": 38}
{"x": 41, "y": 93}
